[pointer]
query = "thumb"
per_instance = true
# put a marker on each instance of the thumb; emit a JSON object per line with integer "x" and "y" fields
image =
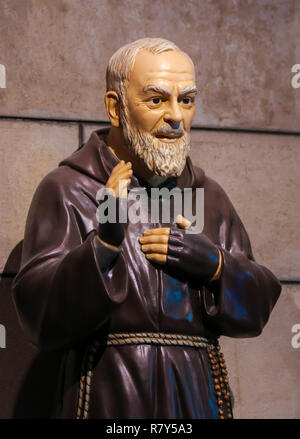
{"x": 182, "y": 222}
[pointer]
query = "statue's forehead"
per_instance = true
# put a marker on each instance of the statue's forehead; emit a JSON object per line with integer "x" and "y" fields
{"x": 167, "y": 76}
{"x": 166, "y": 66}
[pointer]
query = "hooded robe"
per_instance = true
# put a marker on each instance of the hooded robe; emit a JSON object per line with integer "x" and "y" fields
{"x": 71, "y": 290}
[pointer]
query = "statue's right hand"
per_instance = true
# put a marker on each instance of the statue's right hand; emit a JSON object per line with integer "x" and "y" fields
{"x": 119, "y": 179}
{"x": 113, "y": 233}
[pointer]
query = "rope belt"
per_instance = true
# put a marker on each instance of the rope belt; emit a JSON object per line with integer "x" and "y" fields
{"x": 132, "y": 338}
{"x": 159, "y": 338}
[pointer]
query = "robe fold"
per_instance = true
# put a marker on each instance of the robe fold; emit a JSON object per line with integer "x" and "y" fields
{"x": 71, "y": 288}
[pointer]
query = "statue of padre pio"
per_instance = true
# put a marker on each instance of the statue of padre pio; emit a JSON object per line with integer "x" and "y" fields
{"x": 138, "y": 307}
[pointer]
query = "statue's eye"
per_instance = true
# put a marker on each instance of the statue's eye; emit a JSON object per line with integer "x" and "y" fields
{"x": 187, "y": 100}
{"x": 156, "y": 101}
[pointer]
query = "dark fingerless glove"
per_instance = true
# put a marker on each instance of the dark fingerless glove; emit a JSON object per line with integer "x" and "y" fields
{"x": 192, "y": 257}
{"x": 113, "y": 231}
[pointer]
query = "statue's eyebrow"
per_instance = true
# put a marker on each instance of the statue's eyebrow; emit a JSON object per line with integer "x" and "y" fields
{"x": 164, "y": 91}
{"x": 189, "y": 90}
{"x": 157, "y": 89}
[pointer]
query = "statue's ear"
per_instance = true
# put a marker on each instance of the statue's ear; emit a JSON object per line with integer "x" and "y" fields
{"x": 112, "y": 104}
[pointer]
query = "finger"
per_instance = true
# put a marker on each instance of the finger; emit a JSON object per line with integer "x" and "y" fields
{"x": 112, "y": 179}
{"x": 121, "y": 172}
{"x": 120, "y": 188}
{"x": 157, "y": 239}
{"x": 159, "y": 231}
{"x": 120, "y": 183}
{"x": 182, "y": 222}
{"x": 155, "y": 248}
{"x": 121, "y": 167}
{"x": 121, "y": 176}
{"x": 156, "y": 257}
{"x": 117, "y": 167}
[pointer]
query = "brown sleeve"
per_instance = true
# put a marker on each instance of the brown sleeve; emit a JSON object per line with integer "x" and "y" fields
{"x": 239, "y": 303}
{"x": 66, "y": 287}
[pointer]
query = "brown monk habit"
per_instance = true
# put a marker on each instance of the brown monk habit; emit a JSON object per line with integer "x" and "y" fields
{"x": 71, "y": 289}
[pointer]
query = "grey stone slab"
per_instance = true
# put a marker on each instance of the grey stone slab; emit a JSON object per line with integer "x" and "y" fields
{"x": 88, "y": 129}
{"x": 56, "y": 56}
{"x": 264, "y": 370}
{"x": 28, "y": 151}
{"x": 260, "y": 173}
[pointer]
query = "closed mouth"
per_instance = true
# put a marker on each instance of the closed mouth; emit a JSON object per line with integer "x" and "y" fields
{"x": 168, "y": 136}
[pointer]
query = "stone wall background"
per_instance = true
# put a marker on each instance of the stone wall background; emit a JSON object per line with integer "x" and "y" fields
{"x": 246, "y": 135}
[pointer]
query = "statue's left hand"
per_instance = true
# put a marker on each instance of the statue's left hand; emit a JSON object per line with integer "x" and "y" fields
{"x": 155, "y": 241}
{"x": 155, "y": 244}
{"x": 191, "y": 256}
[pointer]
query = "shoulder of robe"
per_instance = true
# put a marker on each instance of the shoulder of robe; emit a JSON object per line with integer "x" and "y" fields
{"x": 237, "y": 234}
{"x": 214, "y": 192}
{"x": 67, "y": 184}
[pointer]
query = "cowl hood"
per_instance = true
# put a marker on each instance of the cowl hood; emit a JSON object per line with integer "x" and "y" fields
{"x": 97, "y": 161}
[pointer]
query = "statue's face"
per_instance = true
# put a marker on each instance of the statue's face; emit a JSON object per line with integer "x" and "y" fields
{"x": 160, "y": 102}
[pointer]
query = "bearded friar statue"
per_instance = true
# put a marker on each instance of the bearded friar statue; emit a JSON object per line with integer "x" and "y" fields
{"x": 127, "y": 270}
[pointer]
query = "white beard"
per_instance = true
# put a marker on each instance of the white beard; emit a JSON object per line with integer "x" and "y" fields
{"x": 162, "y": 158}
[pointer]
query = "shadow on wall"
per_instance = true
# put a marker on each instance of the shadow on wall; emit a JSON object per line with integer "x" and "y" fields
{"x": 28, "y": 377}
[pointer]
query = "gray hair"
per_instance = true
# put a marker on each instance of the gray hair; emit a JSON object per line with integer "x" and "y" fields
{"x": 121, "y": 63}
